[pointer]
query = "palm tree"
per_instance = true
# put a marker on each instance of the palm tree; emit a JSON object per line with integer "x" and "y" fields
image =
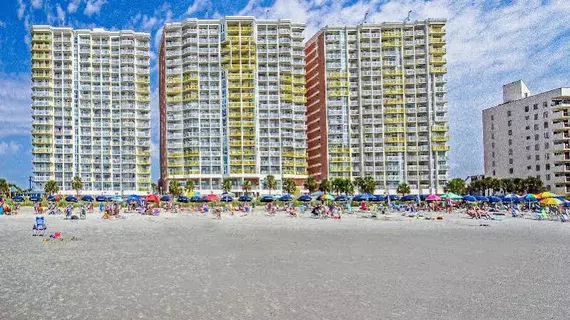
{"x": 456, "y": 185}
{"x": 289, "y": 185}
{"x": 226, "y": 185}
{"x": 190, "y": 186}
{"x": 348, "y": 187}
{"x": 270, "y": 183}
{"x": 175, "y": 188}
{"x": 358, "y": 182}
{"x": 51, "y": 187}
{"x": 4, "y": 188}
{"x": 77, "y": 185}
{"x": 337, "y": 185}
{"x": 325, "y": 186}
{"x": 246, "y": 186}
{"x": 154, "y": 187}
{"x": 403, "y": 189}
{"x": 367, "y": 185}
{"x": 533, "y": 185}
{"x": 311, "y": 184}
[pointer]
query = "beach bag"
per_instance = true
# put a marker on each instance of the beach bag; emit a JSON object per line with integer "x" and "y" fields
{"x": 564, "y": 217}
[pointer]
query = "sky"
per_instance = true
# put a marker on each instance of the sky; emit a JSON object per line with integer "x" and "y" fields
{"x": 489, "y": 43}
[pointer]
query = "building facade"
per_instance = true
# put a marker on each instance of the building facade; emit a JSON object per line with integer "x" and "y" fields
{"x": 91, "y": 109}
{"x": 377, "y": 104}
{"x": 232, "y": 102}
{"x": 529, "y": 135}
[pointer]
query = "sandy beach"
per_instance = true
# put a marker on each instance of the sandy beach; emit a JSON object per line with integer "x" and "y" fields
{"x": 191, "y": 266}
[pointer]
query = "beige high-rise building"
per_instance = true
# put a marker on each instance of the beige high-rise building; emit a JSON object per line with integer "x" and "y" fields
{"x": 91, "y": 109}
{"x": 377, "y": 104}
{"x": 529, "y": 135}
{"x": 232, "y": 102}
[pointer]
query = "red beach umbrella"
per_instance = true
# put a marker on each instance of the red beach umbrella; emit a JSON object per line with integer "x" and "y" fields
{"x": 152, "y": 198}
{"x": 212, "y": 197}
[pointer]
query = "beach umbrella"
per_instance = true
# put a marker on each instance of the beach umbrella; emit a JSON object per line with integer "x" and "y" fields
{"x": 211, "y": 197}
{"x": 117, "y": 199}
{"x": 180, "y": 199}
{"x": 546, "y": 194}
{"x": 451, "y": 196}
{"x": 433, "y": 197}
{"x": 482, "y": 198}
{"x": 101, "y": 198}
{"x": 469, "y": 199}
{"x": 378, "y": 197}
{"x": 511, "y": 198}
{"x": 267, "y": 199}
{"x": 494, "y": 199}
{"x": 245, "y": 198}
{"x": 409, "y": 198}
{"x": 134, "y": 197}
{"x": 71, "y": 199}
{"x": 18, "y": 199}
{"x": 35, "y": 198}
{"x": 423, "y": 196}
{"x": 51, "y": 198}
{"x": 530, "y": 197}
{"x": 342, "y": 197}
{"x": 195, "y": 199}
{"x": 87, "y": 198}
{"x": 286, "y": 197}
{"x": 393, "y": 197}
{"x": 226, "y": 198}
{"x": 165, "y": 198}
{"x": 363, "y": 197}
{"x": 326, "y": 197}
{"x": 551, "y": 201}
{"x": 152, "y": 198}
{"x": 305, "y": 198}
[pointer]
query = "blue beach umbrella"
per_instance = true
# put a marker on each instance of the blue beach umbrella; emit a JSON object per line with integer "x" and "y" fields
{"x": 117, "y": 199}
{"x": 267, "y": 199}
{"x": 305, "y": 198}
{"x": 530, "y": 197}
{"x": 482, "y": 198}
{"x": 364, "y": 197}
{"x": 133, "y": 197}
{"x": 194, "y": 199}
{"x": 71, "y": 199}
{"x": 226, "y": 198}
{"x": 18, "y": 199}
{"x": 35, "y": 198}
{"x": 165, "y": 198}
{"x": 511, "y": 198}
{"x": 342, "y": 197}
{"x": 51, "y": 198}
{"x": 101, "y": 198}
{"x": 87, "y": 198}
{"x": 286, "y": 197}
{"x": 245, "y": 198}
{"x": 493, "y": 199}
{"x": 469, "y": 199}
{"x": 379, "y": 197}
{"x": 409, "y": 198}
{"x": 394, "y": 197}
{"x": 180, "y": 199}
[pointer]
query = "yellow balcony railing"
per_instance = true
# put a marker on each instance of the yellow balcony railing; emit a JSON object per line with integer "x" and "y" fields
{"x": 439, "y": 51}
{"x": 395, "y": 129}
{"x": 394, "y": 91}
{"x": 396, "y": 149}
{"x": 440, "y": 128}
{"x": 440, "y": 138}
{"x": 337, "y": 75}
{"x": 438, "y": 40}
{"x": 391, "y": 34}
{"x": 438, "y": 70}
{"x": 393, "y": 101}
{"x": 395, "y": 139}
{"x": 440, "y": 148}
{"x": 392, "y": 73}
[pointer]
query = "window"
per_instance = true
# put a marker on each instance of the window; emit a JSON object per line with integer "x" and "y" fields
{"x": 546, "y": 145}
{"x": 545, "y": 124}
{"x": 536, "y": 147}
{"x": 492, "y": 135}
{"x": 528, "y": 137}
{"x": 538, "y": 167}
{"x": 546, "y": 135}
{"x": 536, "y": 116}
{"x": 511, "y": 170}
{"x": 492, "y": 126}
{"x": 547, "y": 166}
{"x": 547, "y": 156}
{"x": 547, "y": 177}
{"x": 492, "y": 117}
{"x": 528, "y": 157}
{"x": 510, "y": 132}
{"x": 535, "y": 106}
{"x": 526, "y": 109}
{"x": 510, "y": 152}
{"x": 510, "y": 123}
{"x": 536, "y": 137}
{"x": 493, "y": 163}
{"x": 537, "y": 157}
{"x": 527, "y": 127}
{"x": 545, "y": 104}
{"x": 493, "y": 145}
{"x": 509, "y": 113}
{"x": 527, "y": 148}
{"x": 493, "y": 154}
{"x": 545, "y": 115}
{"x": 511, "y": 161}
{"x": 526, "y": 118}
{"x": 528, "y": 167}
{"x": 536, "y": 127}
{"x": 510, "y": 142}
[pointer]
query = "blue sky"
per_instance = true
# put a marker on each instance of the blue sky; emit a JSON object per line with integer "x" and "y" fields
{"x": 490, "y": 43}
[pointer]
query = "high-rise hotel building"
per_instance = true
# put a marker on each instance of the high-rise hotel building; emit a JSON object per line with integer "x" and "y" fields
{"x": 377, "y": 104}
{"x": 91, "y": 109}
{"x": 232, "y": 102}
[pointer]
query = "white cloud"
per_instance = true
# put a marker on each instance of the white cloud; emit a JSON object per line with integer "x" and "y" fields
{"x": 60, "y": 14}
{"x": 15, "y": 102}
{"x": 37, "y": 4}
{"x": 73, "y": 6}
{"x": 11, "y": 147}
{"x": 21, "y": 9}
{"x": 197, "y": 6}
{"x": 2, "y": 24}
{"x": 93, "y": 7}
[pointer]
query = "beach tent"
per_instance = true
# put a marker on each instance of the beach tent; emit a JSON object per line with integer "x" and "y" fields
{"x": 305, "y": 198}
{"x": 451, "y": 196}
{"x": 87, "y": 198}
{"x": 286, "y": 197}
{"x": 152, "y": 198}
{"x": 245, "y": 198}
{"x": 134, "y": 197}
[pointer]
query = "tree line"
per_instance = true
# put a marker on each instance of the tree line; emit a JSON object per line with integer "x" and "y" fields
{"x": 490, "y": 186}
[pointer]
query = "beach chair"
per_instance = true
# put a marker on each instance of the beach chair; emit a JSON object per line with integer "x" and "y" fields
{"x": 40, "y": 226}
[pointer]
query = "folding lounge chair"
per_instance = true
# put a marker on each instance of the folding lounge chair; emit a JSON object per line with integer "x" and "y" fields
{"x": 40, "y": 226}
